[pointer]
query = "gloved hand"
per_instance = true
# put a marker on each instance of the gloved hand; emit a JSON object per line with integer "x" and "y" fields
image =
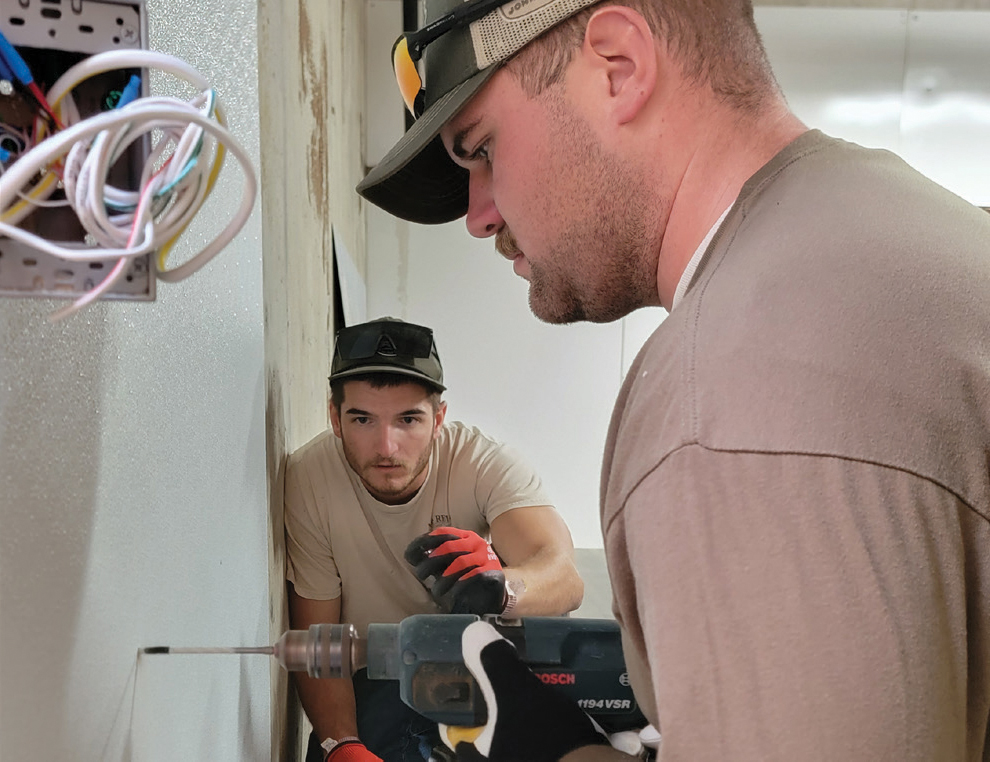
{"x": 468, "y": 575}
{"x": 351, "y": 751}
{"x": 527, "y": 720}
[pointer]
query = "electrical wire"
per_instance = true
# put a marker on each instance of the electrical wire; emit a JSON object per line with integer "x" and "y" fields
{"x": 177, "y": 177}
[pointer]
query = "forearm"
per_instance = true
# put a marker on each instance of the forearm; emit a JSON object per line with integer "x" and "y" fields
{"x": 329, "y": 704}
{"x": 550, "y": 585}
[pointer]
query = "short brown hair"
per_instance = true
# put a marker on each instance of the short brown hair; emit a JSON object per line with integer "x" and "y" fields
{"x": 381, "y": 381}
{"x": 716, "y": 41}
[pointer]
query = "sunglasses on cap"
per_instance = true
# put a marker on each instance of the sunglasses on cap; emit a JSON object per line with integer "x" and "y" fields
{"x": 385, "y": 338}
{"x": 408, "y": 49}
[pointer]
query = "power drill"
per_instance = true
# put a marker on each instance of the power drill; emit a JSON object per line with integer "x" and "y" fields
{"x": 580, "y": 657}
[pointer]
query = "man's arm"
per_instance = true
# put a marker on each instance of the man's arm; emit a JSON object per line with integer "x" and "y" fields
{"x": 329, "y": 703}
{"x": 536, "y": 549}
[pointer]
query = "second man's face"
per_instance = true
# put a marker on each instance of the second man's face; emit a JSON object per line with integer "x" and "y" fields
{"x": 566, "y": 210}
{"x": 387, "y": 435}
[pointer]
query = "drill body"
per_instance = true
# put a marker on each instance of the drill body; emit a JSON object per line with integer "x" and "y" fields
{"x": 580, "y": 657}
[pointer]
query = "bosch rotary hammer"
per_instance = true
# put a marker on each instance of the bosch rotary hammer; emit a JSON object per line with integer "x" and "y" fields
{"x": 580, "y": 657}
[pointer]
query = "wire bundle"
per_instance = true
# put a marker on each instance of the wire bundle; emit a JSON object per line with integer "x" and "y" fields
{"x": 177, "y": 177}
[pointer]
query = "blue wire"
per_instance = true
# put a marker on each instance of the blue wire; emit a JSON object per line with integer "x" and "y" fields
{"x": 5, "y": 72}
{"x": 4, "y": 155}
{"x": 130, "y": 92}
{"x": 13, "y": 59}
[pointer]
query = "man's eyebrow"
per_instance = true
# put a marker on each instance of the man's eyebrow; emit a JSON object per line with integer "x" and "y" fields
{"x": 412, "y": 411}
{"x": 357, "y": 411}
{"x": 457, "y": 144}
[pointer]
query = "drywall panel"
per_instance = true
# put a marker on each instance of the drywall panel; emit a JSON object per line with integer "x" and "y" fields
{"x": 133, "y": 488}
{"x": 841, "y": 70}
{"x": 946, "y": 123}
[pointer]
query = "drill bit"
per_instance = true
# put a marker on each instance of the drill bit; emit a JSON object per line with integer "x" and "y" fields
{"x": 324, "y": 650}
{"x": 266, "y": 650}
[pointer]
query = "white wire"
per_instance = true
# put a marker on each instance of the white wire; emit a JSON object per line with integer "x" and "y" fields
{"x": 174, "y": 192}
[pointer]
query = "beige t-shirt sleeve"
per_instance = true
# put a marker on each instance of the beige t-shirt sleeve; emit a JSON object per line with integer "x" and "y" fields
{"x": 310, "y": 565}
{"x": 504, "y": 480}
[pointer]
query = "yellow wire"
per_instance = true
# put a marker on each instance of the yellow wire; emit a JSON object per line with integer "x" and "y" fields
{"x": 50, "y": 177}
{"x": 210, "y": 182}
{"x": 38, "y": 189}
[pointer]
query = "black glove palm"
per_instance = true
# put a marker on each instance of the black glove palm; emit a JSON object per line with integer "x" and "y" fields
{"x": 467, "y": 575}
{"x": 527, "y": 720}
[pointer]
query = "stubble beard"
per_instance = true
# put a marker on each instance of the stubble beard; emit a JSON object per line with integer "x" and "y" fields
{"x": 603, "y": 264}
{"x": 387, "y": 490}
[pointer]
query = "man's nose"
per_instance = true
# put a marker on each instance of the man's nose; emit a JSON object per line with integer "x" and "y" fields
{"x": 388, "y": 443}
{"x": 483, "y": 218}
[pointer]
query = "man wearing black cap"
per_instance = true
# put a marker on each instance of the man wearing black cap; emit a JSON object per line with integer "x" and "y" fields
{"x": 386, "y": 516}
{"x": 795, "y": 493}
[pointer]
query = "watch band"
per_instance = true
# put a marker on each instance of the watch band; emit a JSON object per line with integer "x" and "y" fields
{"x": 512, "y": 590}
{"x": 329, "y": 744}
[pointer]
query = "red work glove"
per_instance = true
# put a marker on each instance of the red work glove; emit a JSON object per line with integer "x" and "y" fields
{"x": 351, "y": 751}
{"x": 527, "y": 720}
{"x": 467, "y": 575}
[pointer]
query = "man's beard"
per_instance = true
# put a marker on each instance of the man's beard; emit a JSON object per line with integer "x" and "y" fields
{"x": 384, "y": 490}
{"x": 602, "y": 263}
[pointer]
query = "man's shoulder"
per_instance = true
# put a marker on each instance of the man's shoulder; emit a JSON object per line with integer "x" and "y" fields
{"x": 320, "y": 446}
{"x": 456, "y": 435}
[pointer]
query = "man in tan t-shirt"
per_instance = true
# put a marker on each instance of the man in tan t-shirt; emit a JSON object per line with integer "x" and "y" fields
{"x": 387, "y": 515}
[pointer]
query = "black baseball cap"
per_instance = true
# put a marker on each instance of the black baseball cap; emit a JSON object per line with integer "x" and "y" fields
{"x": 387, "y": 345}
{"x": 417, "y": 180}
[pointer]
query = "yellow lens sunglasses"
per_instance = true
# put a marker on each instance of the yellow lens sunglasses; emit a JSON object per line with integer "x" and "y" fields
{"x": 408, "y": 49}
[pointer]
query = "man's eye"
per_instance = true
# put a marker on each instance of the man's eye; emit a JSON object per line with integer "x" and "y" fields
{"x": 409, "y": 420}
{"x": 361, "y": 419}
{"x": 481, "y": 153}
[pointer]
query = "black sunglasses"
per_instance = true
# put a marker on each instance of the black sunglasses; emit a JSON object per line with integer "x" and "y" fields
{"x": 389, "y": 339}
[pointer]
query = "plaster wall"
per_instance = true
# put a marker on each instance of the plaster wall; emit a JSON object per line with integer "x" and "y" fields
{"x": 133, "y": 502}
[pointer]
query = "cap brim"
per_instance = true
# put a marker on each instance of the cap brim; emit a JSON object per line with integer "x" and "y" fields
{"x": 364, "y": 370}
{"x": 417, "y": 180}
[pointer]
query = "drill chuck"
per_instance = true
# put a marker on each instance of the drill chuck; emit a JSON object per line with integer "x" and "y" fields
{"x": 324, "y": 650}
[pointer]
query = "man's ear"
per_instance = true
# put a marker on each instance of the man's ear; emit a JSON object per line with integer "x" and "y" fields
{"x": 335, "y": 418}
{"x": 622, "y": 45}
{"x": 438, "y": 417}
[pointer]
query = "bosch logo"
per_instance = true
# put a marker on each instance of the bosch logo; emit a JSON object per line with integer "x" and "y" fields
{"x": 624, "y": 679}
{"x": 557, "y": 678}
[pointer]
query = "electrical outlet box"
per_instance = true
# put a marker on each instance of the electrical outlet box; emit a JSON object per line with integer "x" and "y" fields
{"x": 52, "y": 36}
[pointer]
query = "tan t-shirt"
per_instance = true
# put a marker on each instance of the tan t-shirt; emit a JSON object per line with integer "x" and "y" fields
{"x": 332, "y": 549}
{"x": 796, "y": 499}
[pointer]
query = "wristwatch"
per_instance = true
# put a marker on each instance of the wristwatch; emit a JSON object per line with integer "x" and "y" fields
{"x": 512, "y": 590}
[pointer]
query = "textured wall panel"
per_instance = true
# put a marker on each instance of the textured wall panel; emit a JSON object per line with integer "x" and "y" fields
{"x": 132, "y": 483}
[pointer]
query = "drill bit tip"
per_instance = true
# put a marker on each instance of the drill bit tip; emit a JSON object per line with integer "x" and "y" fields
{"x": 155, "y": 650}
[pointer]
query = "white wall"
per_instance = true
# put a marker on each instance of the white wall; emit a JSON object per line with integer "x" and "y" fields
{"x": 915, "y": 83}
{"x": 132, "y": 486}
